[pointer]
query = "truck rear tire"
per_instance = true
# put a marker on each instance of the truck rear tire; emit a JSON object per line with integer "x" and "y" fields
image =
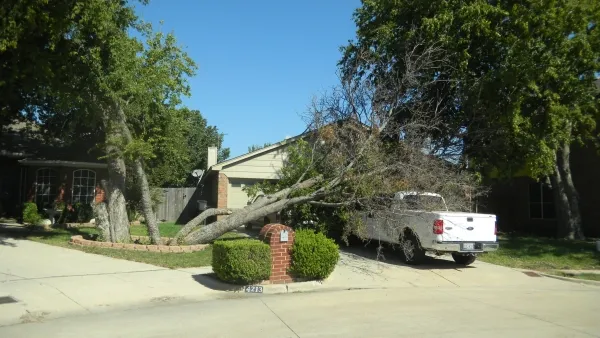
{"x": 464, "y": 259}
{"x": 411, "y": 250}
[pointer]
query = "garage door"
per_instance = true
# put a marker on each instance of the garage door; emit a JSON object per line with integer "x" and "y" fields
{"x": 236, "y": 197}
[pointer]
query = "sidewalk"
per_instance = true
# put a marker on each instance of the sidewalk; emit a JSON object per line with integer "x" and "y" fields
{"x": 50, "y": 282}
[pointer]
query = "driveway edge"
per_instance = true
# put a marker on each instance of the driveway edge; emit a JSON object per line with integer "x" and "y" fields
{"x": 572, "y": 280}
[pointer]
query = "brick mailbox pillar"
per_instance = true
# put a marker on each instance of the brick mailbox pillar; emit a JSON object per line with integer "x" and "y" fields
{"x": 275, "y": 235}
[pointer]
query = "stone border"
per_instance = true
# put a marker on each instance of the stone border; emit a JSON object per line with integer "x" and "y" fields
{"x": 80, "y": 241}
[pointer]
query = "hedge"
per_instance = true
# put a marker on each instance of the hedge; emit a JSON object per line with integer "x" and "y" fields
{"x": 314, "y": 255}
{"x": 241, "y": 261}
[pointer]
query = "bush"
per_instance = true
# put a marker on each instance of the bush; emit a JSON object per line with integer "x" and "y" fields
{"x": 241, "y": 261}
{"x": 313, "y": 255}
{"x": 78, "y": 213}
{"x": 30, "y": 213}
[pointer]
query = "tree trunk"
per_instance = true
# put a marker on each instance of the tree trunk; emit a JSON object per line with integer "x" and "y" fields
{"x": 566, "y": 197}
{"x": 149, "y": 215}
{"x": 115, "y": 194}
{"x": 115, "y": 187}
{"x": 144, "y": 187}
{"x": 238, "y": 218}
{"x": 102, "y": 221}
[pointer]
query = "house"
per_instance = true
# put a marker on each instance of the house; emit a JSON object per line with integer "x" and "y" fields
{"x": 526, "y": 205}
{"x": 222, "y": 185}
{"x": 34, "y": 169}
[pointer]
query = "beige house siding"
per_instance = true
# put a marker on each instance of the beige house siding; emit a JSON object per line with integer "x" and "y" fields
{"x": 236, "y": 196}
{"x": 260, "y": 167}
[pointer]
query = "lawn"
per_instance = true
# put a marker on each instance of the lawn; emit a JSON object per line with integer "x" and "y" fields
{"x": 61, "y": 237}
{"x": 544, "y": 254}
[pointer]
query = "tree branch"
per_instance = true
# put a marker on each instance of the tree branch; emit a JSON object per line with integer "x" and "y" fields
{"x": 196, "y": 222}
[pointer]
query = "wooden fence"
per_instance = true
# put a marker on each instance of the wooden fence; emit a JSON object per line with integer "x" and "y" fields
{"x": 178, "y": 205}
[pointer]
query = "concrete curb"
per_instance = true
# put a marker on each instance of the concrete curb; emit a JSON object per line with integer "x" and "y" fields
{"x": 572, "y": 280}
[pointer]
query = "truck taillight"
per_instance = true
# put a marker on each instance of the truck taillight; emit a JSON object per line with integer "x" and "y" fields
{"x": 438, "y": 226}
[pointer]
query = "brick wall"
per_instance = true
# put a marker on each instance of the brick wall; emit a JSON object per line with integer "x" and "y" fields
{"x": 100, "y": 194}
{"x": 222, "y": 186}
{"x": 280, "y": 251}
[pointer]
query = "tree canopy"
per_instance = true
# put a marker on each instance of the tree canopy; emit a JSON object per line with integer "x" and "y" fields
{"x": 519, "y": 85}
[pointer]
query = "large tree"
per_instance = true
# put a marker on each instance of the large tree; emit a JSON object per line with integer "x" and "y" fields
{"x": 347, "y": 158}
{"x": 180, "y": 145}
{"x": 519, "y": 85}
{"x": 92, "y": 75}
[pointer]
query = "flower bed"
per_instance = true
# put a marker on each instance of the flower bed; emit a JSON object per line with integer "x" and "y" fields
{"x": 79, "y": 240}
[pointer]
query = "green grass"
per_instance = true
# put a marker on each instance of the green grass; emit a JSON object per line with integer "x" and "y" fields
{"x": 61, "y": 237}
{"x": 166, "y": 229}
{"x": 171, "y": 229}
{"x": 544, "y": 254}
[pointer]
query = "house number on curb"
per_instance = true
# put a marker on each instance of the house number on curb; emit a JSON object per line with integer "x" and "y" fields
{"x": 253, "y": 289}
{"x": 284, "y": 236}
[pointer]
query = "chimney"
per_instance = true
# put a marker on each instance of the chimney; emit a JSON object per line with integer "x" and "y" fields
{"x": 212, "y": 157}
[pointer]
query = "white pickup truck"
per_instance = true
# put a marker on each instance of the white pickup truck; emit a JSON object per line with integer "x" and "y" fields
{"x": 409, "y": 223}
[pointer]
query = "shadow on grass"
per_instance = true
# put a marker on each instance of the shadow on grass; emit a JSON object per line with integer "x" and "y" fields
{"x": 55, "y": 233}
{"x": 390, "y": 254}
{"x": 211, "y": 281}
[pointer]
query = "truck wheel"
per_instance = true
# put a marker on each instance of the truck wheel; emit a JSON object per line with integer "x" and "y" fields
{"x": 411, "y": 250}
{"x": 464, "y": 259}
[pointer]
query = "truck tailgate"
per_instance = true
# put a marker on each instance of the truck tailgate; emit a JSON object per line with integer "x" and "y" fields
{"x": 468, "y": 227}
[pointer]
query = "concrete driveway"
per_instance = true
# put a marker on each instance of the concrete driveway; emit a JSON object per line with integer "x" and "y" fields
{"x": 362, "y": 268}
{"x": 50, "y": 282}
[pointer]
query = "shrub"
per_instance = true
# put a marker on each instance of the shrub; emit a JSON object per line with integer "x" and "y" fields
{"x": 241, "y": 261}
{"x": 78, "y": 213}
{"x": 30, "y": 213}
{"x": 85, "y": 212}
{"x": 313, "y": 255}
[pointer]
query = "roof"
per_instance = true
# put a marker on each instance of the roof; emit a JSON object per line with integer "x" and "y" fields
{"x": 25, "y": 140}
{"x": 58, "y": 163}
{"x": 288, "y": 141}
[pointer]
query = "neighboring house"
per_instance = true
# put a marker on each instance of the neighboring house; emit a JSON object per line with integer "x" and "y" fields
{"x": 36, "y": 170}
{"x": 525, "y": 205}
{"x": 223, "y": 183}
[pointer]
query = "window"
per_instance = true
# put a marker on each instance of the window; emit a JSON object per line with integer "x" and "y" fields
{"x": 541, "y": 202}
{"x": 84, "y": 186}
{"x": 45, "y": 187}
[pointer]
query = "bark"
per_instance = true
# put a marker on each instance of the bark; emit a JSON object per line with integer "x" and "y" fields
{"x": 212, "y": 231}
{"x": 115, "y": 195}
{"x": 196, "y": 222}
{"x": 261, "y": 207}
{"x": 102, "y": 222}
{"x": 149, "y": 216}
{"x": 566, "y": 197}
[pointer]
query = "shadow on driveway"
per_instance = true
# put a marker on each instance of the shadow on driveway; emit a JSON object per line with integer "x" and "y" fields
{"x": 211, "y": 281}
{"x": 386, "y": 253}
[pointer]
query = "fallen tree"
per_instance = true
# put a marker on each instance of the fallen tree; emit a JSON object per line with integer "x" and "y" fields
{"x": 364, "y": 140}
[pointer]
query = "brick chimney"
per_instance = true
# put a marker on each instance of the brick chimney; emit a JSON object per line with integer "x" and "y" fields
{"x": 212, "y": 157}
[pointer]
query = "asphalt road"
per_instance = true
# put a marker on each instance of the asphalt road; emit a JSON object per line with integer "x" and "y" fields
{"x": 569, "y": 311}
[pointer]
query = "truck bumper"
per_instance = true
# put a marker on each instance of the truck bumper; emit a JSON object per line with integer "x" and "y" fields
{"x": 457, "y": 247}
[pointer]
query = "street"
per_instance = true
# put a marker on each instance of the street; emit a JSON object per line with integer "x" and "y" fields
{"x": 416, "y": 312}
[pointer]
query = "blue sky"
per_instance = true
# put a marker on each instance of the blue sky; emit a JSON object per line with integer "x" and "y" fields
{"x": 260, "y": 62}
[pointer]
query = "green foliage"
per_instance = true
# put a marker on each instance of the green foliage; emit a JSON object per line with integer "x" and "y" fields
{"x": 242, "y": 261}
{"x": 30, "y": 213}
{"x": 77, "y": 213}
{"x": 313, "y": 255}
{"x": 518, "y": 76}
